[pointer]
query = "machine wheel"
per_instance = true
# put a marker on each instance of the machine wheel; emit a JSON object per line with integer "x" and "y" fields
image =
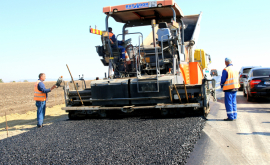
{"x": 241, "y": 88}
{"x": 206, "y": 110}
{"x": 249, "y": 98}
{"x": 205, "y": 114}
{"x": 72, "y": 115}
{"x": 244, "y": 93}
{"x": 164, "y": 112}
{"x": 102, "y": 114}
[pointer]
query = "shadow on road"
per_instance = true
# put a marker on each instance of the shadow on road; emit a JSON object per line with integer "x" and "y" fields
{"x": 215, "y": 119}
{"x": 254, "y": 110}
{"x": 256, "y": 133}
{"x": 138, "y": 117}
{"x": 243, "y": 100}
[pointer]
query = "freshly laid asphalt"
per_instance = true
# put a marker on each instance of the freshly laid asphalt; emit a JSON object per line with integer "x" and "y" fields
{"x": 131, "y": 140}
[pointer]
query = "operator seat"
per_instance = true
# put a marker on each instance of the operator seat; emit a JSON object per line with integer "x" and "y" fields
{"x": 163, "y": 31}
{"x": 115, "y": 51}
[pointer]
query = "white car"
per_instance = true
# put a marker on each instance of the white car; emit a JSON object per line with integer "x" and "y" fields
{"x": 243, "y": 74}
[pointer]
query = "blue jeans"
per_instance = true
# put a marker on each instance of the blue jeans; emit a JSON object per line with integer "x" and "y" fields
{"x": 41, "y": 107}
{"x": 123, "y": 54}
{"x": 230, "y": 104}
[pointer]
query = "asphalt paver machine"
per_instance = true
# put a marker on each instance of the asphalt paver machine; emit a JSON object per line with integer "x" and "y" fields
{"x": 163, "y": 72}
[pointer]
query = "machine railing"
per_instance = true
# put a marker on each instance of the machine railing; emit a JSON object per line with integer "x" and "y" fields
{"x": 137, "y": 56}
{"x": 162, "y": 45}
{"x": 130, "y": 34}
{"x": 149, "y": 79}
{"x": 139, "y": 76}
{"x": 138, "y": 65}
{"x": 138, "y": 60}
{"x": 157, "y": 62}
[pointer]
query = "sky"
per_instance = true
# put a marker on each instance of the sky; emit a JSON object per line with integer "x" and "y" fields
{"x": 43, "y": 36}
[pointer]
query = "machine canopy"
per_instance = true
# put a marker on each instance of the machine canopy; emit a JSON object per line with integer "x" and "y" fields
{"x": 141, "y": 13}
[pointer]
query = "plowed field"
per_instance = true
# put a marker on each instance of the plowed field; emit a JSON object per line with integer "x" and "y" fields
{"x": 18, "y": 97}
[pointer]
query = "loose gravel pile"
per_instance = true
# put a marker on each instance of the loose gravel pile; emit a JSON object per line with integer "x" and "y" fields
{"x": 105, "y": 141}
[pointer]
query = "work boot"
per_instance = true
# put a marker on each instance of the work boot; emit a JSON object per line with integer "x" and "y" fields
{"x": 228, "y": 119}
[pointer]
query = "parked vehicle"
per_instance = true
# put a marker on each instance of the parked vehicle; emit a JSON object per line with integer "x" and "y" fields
{"x": 257, "y": 83}
{"x": 243, "y": 74}
{"x": 214, "y": 72}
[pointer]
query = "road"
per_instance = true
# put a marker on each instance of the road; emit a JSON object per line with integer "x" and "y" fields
{"x": 244, "y": 141}
{"x": 149, "y": 140}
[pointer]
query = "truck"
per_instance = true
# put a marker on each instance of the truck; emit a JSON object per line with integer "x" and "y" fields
{"x": 161, "y": 73}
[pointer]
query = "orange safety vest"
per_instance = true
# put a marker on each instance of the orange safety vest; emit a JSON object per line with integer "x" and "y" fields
{"x": 110, "y": 36}
{"x": 232, "y": 81}
{"x": 39, "y": 95}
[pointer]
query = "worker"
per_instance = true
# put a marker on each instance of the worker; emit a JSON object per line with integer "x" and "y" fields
{"x": 230, "y": 84}
{"x": 111, "y": 36}
{"x": 113, "y": 41}
{"x": 40, "y": 96}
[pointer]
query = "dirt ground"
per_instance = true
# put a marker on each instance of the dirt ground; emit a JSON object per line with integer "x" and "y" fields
{"x": 20, "y": 123}
{"x": 16, "y": 101}
{"x": 18, "y": 97}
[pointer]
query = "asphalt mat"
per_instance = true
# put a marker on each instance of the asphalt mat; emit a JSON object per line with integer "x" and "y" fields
{"x": 131, "y": 140}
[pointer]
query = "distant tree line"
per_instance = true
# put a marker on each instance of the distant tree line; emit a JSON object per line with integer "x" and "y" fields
{"x": 1, "y": 81}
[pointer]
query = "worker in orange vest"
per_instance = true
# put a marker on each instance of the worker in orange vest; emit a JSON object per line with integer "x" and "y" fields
{"x": 230, "y": 84}
{"x": 113, "y": 41}
{"x": 111, "y": 36}
{"x": 40, "y": 96}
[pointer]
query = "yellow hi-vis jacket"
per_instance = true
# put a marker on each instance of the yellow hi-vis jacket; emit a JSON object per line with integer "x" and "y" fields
{"x": 232, "y": 81}
{"x": 39, "y": 95}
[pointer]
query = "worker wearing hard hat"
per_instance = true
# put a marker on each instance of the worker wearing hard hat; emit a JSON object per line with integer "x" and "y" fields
{"x": 40, "y": 96}
{"x": 113, "y": 41}
{"x": 230, "y": 84}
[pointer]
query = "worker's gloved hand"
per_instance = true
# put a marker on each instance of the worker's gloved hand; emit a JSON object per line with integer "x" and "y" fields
{"x": 59, "y": 81}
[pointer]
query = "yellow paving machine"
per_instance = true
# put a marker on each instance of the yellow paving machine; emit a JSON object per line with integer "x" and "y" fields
{"x": 163, "y": 72}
